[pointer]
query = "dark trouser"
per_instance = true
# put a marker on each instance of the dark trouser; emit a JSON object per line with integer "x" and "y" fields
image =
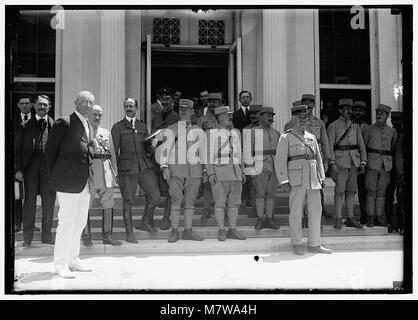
{"x": 37, "y": 180}
{"x": 147, "y": 180}
{"x": 361, "y": 186}
{"x": 18, "y": 213}
{"x": 390, "y": 197}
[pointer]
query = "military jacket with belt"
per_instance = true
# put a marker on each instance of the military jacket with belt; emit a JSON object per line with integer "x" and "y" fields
{"x": 104, "y": 160}
{"x": 317, "y": 128}
{"x": 270, "y": 140}
{"x": 130, "y": 148}
{"x": 354, "y": 150}
{"x": 224, "y": 158}
{"x": 298, "y": 162}
{"x": 380, "y": 142}
{"x": 178, "y": 151}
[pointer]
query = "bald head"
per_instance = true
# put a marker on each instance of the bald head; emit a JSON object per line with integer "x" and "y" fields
{"x": 84, "y": 102}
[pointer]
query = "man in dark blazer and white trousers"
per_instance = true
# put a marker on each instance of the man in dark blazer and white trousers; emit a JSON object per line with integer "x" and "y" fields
{"x": 31, "y": 167}
{"x": 69, "y": 158}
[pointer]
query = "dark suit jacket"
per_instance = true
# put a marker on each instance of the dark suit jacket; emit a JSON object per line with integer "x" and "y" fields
{"x": 163, "y": 120}
{"x": 239, "y": 120}
{"x": 27, "y": 136}
{"x": 130, "y": 150}
{"x": 67, "y": 154}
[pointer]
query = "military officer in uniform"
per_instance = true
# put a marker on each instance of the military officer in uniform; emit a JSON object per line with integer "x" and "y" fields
{"x": 206, "y": 122}
{"x": 225, "y": 172}
{"x": 266, "y": 182}
{"x": 183, "y": 178}
{"x": 317, "y": 128}
{"x": 348, "y": 158}
{"x": 395, "y": 177}
{"x": 380, "y": 141}
{"x": 134, "y": 167}
{"x": 104, "y": 178}
{"x": 359, "y": 112}
{"x": 299, "y": 169}
{"x": 293, "y": 120}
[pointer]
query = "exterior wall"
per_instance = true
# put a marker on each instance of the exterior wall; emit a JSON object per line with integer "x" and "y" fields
{"x": 80, "y": 62}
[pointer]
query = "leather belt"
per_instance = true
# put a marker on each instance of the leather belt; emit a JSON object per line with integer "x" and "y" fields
{"x": 101, "y": 156}
{"x": 382, "y": 152}
{"x": 344, "y": 148}
{"x": 301, "y": 157}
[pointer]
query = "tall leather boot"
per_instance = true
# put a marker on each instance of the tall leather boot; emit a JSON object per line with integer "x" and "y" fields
{"x": 175, "y": 219}
{"x": 220, "y": 216}
{"x": 127, "y": 219}
{"x": 165, "y": 222}
{"x": 339, "y": 202}
{"x": 269, "y": 222}
{"x": 259, "y": 206}
{"x": 86, "y": 236}
{"x": 188, "y": 233}
{"x": 370, "y": 203}
{"x": 145, "y": 220}
{"x": 380, "y": 204}
{"x": 232, "y": 232}
{"x": 325, "y": 212}
{"x": 107, "y": 228}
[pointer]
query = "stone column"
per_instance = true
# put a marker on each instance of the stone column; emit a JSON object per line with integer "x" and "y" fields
{"x": 112, "y": 66}
{"x": 275, "y": 65}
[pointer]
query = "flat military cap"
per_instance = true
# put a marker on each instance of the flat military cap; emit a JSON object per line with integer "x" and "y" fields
{"x": 300, "y": 109}
{"x": 345, "y": 102}
{"x": 214, "y": 96}
{"x": 360, "y": 104}
{"x": 308, "y": 96}
{"x": 296, "y": 103}
{"x": 222, "y": 110}
{"x": 186, "y": 103}
{"x": 267, "y": 110}
{"x": 166, "y": 91}
{"x": 383, "y": 107}
{"x": 396, "y": 115}
{"x": 255, "y": 107}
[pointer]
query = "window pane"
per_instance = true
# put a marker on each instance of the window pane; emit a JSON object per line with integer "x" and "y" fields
{"x": 344, "y": 52}
{"x": 330, "y": 97}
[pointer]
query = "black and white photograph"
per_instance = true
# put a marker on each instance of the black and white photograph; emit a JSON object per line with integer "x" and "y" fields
{"x": 213, "y": 149}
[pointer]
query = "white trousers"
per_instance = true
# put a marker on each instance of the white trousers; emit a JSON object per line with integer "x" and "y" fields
{"x": 296, "y": 203}
{"x": 72, "y": 218}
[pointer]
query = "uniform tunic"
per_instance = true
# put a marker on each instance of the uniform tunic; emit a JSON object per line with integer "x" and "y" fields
{"x": 304, "y": 176}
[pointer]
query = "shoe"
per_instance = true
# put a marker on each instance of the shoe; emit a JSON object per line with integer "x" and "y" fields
{"x": 49, "y": 241}
{"x": 370, "y": 221}
{"x": 259, "y": 224}
{"x": 174, "y": 235}
{"x": 270, "y": 223}
{"x": 65, "y": 273}
{"x": 111, "y": 241}
{"x": 319, "y": 249}
{"x": 327, "y": 214}
{"x": 188, "y": 234}
{"x": 338, "y": 223}
{"x": 78, "y": 266}
{"x": 165, "y": 224}
{"x": 350, "y": 222}
{"x": 298, "y": 250}
{"x": 130, "y": 237}
{"x": 87, "y": 242}
{"x": 27, "y": 244}
{"x": 35, "y": 228}
{"x": 222, "y": 235}
{"x": 145, "y": 226}
{"x": 380, "y": 222}
{"x": 234, "y": 234}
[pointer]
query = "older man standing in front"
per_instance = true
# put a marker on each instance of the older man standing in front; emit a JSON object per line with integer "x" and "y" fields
{"x": 68, "y": 157}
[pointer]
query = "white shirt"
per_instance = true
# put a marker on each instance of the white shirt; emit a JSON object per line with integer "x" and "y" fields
{"x": 22, "y": 115}
{"x": 205, "y": 111}
{"x": 133, "y": 120}
{"x": 245, "y": 109}
{"x": 38, "y": 117}
{"x": 84, "y": 122}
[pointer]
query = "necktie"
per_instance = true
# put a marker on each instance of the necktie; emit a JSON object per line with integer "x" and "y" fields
{"x": 25, "y": 118}
{"x": 132, "y": 123}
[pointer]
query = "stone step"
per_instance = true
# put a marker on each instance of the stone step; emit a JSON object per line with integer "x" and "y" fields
{"x": 209, "y": 246}
{"x": 211, "y": 232}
